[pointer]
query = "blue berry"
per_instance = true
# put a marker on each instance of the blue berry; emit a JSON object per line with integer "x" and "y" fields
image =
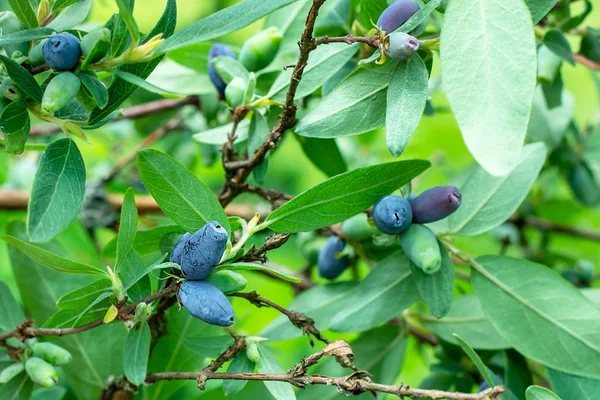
{"x": 392, "y": 214}
{"x": 206, "y": 302}
{"x": 397, "y": 14}
{"x": 178, "y": 249}
{"x": 62, "y": 51}
{"x": 203, "y": 251}
{"x": 435, "y": 204}
{"x": 401, "y": 46}
{"x": 218, "y": 50}
{"x": 330, "y": 266}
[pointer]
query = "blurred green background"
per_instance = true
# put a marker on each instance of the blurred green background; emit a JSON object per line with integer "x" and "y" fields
{"x": 437, "y": 139}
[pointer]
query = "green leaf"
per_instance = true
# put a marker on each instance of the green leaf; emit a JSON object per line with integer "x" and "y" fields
{"x": 82, "y": 297}
{"x": 257, "y": 134}
{"x": 539, "y": 393}
{"x": 342, "y": 196}
{"x": 549, "y": 125}
{"x": 178, "y": 192}
{"x": 323, "y": 63}
{"x": 15, "y": 124}
{"x": 489, "y": 92}
{"x": 127, "y": 228}
{"x": 74, "y": 317}
{"x": 320, "y": 303}
{"x": 420, "y": 16}
{"x": 120, "y": 90}
{"x": 556, "y": 41}
{"x": 142, "y": 83}
{"x": 127, "y": 14}
{"x": 55, "y": 393}
{"x": 386, "y": 291}
{"x": 71, "y": 16}
{"x": 208, "y": 346}
{"x": 229, "y": 68}
{"x": 243, "y": 266}
{"x": 356, "y": 106}
{"x": 466, "y": 318}
{"x": 96, "y": 89}
{"x": 194, "y": 57}
{"x": 22, "y": 78}
{"x": 18, "y": 388}
{"x": 11, "y": 313}
{"x": 137, "y": 274}
{"x": 57, "y": 192}
{"x": 406, "y": 99}
{"x": 136, "y": 353}
{"x": 25, "y": 36}
{"x": 51, "y": 260}
{"x": 539, "y": 8}
{"x": 145, "y": 242}
{"x": 133, "y": 274}
{"x": 489, "y": 200}
{"x": 517, "y": 376}
{"x": 240, "y": 364}
{"x": 219, "y": 134}
{"x": 436, "y": 289}
{"x": 573, "y": 387}
{"x": 483, "y": 370}
{"x": 63, "y": 4}
{"x": 23, "y": 9}
{"x": 222, "y": 22}
{"x": 557, "y": 323}
{"x": 324, "y": 154}
{"x": 268, "y": 364}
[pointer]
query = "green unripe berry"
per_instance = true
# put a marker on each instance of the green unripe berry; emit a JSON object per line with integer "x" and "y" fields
{"x": 36, "y": 55}
{"x": 51, "y": 353}
{"x": 548, "y": 65}
{"x": 359, "y": 228}
{"x": 252, "y": 351}
{"x": 41, "y": 372}
{"x": 10, "y": 372}
{"x": 400, "y": 46}
{"x": 96, "y": 45}
{"x": 11, "y": 91}
{"x": 261, "y": 49}
{"x": 60, "y": 91}
{"x": 421, "y": 246}
{"x": 227, "y": 282}
{"x": 235, "y": 92}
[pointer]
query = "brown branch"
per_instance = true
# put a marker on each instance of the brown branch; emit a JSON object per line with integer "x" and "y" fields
{"x": 372, "y": 41}
{"x": 134, "y": 112}
{"x": 238, "y": 345}
{"x": 587, "y": 62}
{"x": 547, "y": 226}
{"x": 354, "y": 384}
{"x": 299, "y": 320}
{"x": 272, "y": 243}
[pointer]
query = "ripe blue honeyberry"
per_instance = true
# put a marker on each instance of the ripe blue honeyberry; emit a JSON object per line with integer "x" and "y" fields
{"x": 330, "y": 266}
{"x": 178, "y": 249}
{"x": 435, "y": 204}
{"x": 397, "y": 14}
{"x": 206, "y": 302}
{"x": 218, "y": 50}
{"x": 392, "y": 214}
{"x": 421, "y": 246}
{"x": 203, "y": 251}
{"x": 62, "y": 51}
{"x": 400, "y": 46}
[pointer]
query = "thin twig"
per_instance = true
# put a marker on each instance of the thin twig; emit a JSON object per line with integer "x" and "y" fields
{"x": 567, "y": 230}
{"x": 587, "y": 62}
{"x": 372, "y": 41}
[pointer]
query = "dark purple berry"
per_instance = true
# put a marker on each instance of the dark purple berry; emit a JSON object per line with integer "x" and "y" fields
{"x": 435, "y": 204}
{"x": 397, "y": 14}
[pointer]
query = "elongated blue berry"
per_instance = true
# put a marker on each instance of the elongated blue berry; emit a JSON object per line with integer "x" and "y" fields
{"x": 218, "y": 50}
{"x": 397, "y": 14}
{"x": 330, "y": 264}
{"x": 392, "y": 214}
{"x": 203, "y": 251}
{"x": 206, "y": 302}
{"x": 435, "y": 204}
{"x": 178, "y": 249}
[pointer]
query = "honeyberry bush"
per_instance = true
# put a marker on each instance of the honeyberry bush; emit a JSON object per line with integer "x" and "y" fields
{"x": 310, "y": 125}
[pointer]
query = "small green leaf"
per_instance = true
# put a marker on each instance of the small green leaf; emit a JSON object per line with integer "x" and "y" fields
{"x": 136, "y": 353}
{"x": 146, "y": 241}
{"x": 26, "y": 36}
{"x": 342, "y": 196}
{"x": 127, "y": 14}
{"x": 539, "y": 393}
{"x": 436, "y": 289}
{"x": 96, "y": 89}
{"x": 133, "y": 274}
{"x": 23, "y": 9}
{"x": 257, "y": 134}
{"x": 268, "y": 364}
{"x": 489, "y": 200}
{"x": 387, "y": 291}
{"x": 222, "y": 22}
{"x": 59, "y": 4}
{"x": 406, "y": 99}
{"x": 57, "y": 192}
{"x": 242, "y": 266}
{"x": 82, "y": 297}
{"x": 51, "y": 260}
{"x": 573, "y": 387}
{"x": 539, "y": 8}
{"x": 420, "y": 16}
{"x": 178, "y": 192}
{"x": 144, "y": 84}
{"x": 127, "y": 228}
{"x": 229, "y": 68}
{"x": 489, "y": 92}
{"x": 15, "y": 124}
{"x": 208, "y": 346}
{"x": 483, "y": 370}
{"x": 19, "y": 388}
{"x": 23, "y": 79}
{"x": 324, "y": 154}
{"x": 556, "y": 41}
{"x": 240, "y": 364}
{"x": 71, "y": 16}
{"x": 219, "y": 134}
{"x": 11, "y": 313}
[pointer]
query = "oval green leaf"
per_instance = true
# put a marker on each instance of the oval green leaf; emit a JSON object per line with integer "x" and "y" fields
{"x": 136, "y": 353}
